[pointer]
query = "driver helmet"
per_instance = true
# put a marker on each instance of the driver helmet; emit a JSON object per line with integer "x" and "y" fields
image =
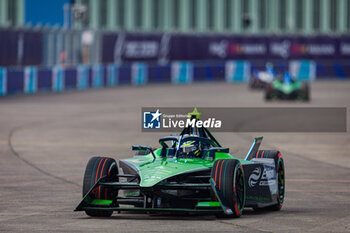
{"x": 192, "y": 147}
{"x": 269, "y": 68}
{"x": 287, "y": 78}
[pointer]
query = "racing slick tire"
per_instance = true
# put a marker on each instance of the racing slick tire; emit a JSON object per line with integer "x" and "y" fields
{"x": 305, "y": 92}
{"x": 253, "y": 83}
{"x": 229, "y": 178}
{"x": 279, "y": 164}
{"x": 96, "y": 168}
{"x": 268, "y": 92}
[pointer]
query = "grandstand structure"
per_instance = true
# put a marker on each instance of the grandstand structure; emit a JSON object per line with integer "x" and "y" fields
{"x": 187, "y": 16}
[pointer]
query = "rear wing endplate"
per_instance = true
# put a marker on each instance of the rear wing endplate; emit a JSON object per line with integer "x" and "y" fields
{"x": 255, "y": 147}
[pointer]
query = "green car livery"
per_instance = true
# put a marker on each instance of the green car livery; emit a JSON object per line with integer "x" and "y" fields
{"x": 287, "y": 88}
{"x": 189, "y": 173}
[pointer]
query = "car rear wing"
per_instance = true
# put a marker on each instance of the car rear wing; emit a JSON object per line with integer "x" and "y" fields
{"x": 254, "y": 148}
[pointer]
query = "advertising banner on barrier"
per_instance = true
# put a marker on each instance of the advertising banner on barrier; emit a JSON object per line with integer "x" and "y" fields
{"x": 58, "y": 77}
{"x": 82, "y": 77}
{"x": 112, "y": 75}
{"x": 344, "y": 47}
{"x": 134, "y": 47}
{"x": 30, "y": 80}
{"x": 3, "y": 81}
{"x": 237, "y": 71}
{"x": 174, "y": 47}
{"x": 184, "y": 47}
{"x": 97, "y": 76}
{"x": 20, "y": 47}
{"x": 303, "y": 70}
{"x": 316, "y": 47}
{"x": 139, "y": 73}
{"x": 181, "y": 72}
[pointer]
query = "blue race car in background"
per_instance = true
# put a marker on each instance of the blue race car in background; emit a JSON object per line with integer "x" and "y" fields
{"x": 260, "y": 79}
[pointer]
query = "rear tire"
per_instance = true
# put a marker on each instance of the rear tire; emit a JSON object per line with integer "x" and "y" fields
{"x": 268, "y": 92}
{"x": 279, "y": 164}
{"x": 305, "y": 93}
{"x": 281, "y": 184}
{"x": 229, "y": 178}
{"x": 96, "y": 168}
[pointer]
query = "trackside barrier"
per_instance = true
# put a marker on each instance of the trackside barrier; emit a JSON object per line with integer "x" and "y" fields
{"x": 58, "y": 77}
{"x": 303, "y": 70}
{"x": 237, "y": 71}
{"x": 97, "y": 76}
{"x": 82, "y": 77}
{"x": 3, "y": 81}
{"x": 181, "y": 72}
{"x": 30, "y": 79}
{"x": 139, "y": 73}
{"x": 112, "y": 75}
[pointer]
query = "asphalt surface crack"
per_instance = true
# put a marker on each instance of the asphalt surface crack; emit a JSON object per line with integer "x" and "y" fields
{"x": 241, "y": 226}
{"x": 15, "y": 153}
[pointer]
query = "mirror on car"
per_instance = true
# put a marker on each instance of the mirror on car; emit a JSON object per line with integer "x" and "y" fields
{"x": 140, "y": 147}
{"x": 143, "y": 148}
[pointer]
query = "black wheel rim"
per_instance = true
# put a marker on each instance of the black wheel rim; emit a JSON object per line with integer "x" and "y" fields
{"x": 281, "y": 181}
{"x": 239, "y": 182}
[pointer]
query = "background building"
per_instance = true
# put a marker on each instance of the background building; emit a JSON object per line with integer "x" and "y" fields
{"x": 60, "y": 44}
{"x": 46, "y": 33}
{"x": 32, "y": 12}
{"x": 218, "y": 16}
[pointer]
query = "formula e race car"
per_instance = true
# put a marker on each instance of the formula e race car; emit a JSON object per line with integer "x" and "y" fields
{"x": 287, "y": 88}
{"x": 189, "y": 173}
{"x": 260, "y": 79}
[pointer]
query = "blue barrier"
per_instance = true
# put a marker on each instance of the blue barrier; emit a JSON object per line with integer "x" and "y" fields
{"x": 124, "y": 76}
{"x": 30, "y": 79}
{"x": 44, "y": 79}
{"x": 159, "y": 74}
{"x": 209, "y": 72}
{"x": 70, "y": 78}
{"x": 97, "y": 76}
{"x": 15, "y": 81}
{"x": 82, "y": 77}
{"x": 139, "y": 73}
{"x": 237, "y": 71}
{"x": 303, "y": 70}
{"x": 181, "y": 72}
{"x": 3, "y": 81}
{"x": 112, "y": 75}
{"x": 339, "y": 70}
{"x": 60, "y": 78}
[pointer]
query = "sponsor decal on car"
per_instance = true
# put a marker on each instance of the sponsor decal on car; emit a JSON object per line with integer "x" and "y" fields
{"x": 265, "y": 177}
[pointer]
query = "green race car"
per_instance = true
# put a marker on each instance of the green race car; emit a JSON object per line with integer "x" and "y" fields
{"x": 287, "y": 88}
{"x": 189, "y": 173}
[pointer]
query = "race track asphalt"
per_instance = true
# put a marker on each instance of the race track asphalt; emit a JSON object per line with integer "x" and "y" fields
{"x": 47, "y": 139}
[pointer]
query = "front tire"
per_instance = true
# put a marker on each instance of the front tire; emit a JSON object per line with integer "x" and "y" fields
{"x": 305, "y": 93}
{"x": 96, "y": 168}
{"x": 229, "y": 178}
